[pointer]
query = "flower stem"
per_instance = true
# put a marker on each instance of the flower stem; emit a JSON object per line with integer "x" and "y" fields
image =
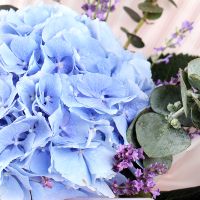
{"x": 108, "y": 12}
{"x": 97, "y": 6}
{"x": 137, "y": 28}
{"x": 178, "y": 113}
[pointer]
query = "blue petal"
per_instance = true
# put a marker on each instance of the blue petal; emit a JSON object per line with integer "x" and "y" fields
{"x": 48, "y": 96}
{"x": 23, "y": 47}
{"x": 94, "y": 158}
{"x": 58, "y": 192}
{"x": 14, "y": 191}
{"x": 68, "y": 161}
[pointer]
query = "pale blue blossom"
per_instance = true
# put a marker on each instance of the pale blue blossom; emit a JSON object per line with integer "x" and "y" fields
{"x": 68, "y": 92}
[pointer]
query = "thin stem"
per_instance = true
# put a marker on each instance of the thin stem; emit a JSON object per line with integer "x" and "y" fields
{"x": 137, "y": 28}
{"x": 108, "y": 12}
{"x": 178, "y": 113}
{"x": 97, "y": 6}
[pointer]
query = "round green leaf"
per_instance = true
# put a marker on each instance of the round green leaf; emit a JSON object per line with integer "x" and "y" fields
{"x": 195, "y": 115}
{"x": 135, "y": 16}
{"x": 194, "y": 73}
{"x": 153, "y": 16}
{"x": 158, "y": 138}
{"x": 164, "y": 160}
{"x": 131, "y": 133}
{"x": 149, "y": 7}
{"x": 162, "y": 96}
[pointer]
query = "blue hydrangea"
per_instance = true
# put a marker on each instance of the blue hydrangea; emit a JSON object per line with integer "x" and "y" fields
{"x": 68, "y": 91}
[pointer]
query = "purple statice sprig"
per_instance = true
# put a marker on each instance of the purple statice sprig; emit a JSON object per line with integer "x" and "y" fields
{"x": 99, "y": 8}
{"x": 175, "y": 40}
{"x": 144, "y": 177}
{"x": 125, "y": 157}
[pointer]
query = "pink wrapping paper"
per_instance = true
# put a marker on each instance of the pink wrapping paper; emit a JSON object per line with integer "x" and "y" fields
{"x": 185, "y": 170}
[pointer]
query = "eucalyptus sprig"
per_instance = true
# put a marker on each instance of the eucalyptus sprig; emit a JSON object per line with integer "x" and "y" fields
{"x": 160, "y": 131}
{"x": 150, "y": 11}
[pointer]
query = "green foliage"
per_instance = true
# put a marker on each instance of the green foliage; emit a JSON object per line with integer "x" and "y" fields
{"x": 7, "y": 7}
{"x": 150, "y": 10}
{"x": 166, "y": 71}
{"x": 134, "y": 15}
{"x": 162, "y": 96}
{"x": 158, "y": 138}
{"x": 195, "y": 115}
{"x": 184, "y": 88}
{"x": 150, "y": 7}
{"x": 167, "y": 161}
{"x": 131, "y": 133}
{"x": 153, "y": 16}
{"x": 173, "y": 2}
{"x": 194, "y": 73}
{"x": 135, "y": 40}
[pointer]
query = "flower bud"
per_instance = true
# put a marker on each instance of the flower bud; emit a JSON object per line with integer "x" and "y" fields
{"x": 175, "y": 123}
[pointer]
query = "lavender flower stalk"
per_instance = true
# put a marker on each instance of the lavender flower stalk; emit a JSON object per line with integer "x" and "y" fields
{"x": 99, "y": 8}
{"x": 144, "y": 178}
{"x": 174, "y": 41}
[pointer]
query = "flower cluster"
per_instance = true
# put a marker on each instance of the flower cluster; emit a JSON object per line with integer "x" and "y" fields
{"x": 68, "y": 92}
{"x": 144, "y": 177}
{"x": 174, "y": 41}
{"x": 125, "y": 157}
{"x": 99, "y": 8}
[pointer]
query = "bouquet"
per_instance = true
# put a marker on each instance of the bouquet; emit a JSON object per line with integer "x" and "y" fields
{"x": 80, "y": 115}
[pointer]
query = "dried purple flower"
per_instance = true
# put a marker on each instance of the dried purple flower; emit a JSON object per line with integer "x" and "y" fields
{"x": 144, "y": 178}
{"x": 99, "y": 8}
{"x": 126, "y": 155}
{"x": 174, "y": 41}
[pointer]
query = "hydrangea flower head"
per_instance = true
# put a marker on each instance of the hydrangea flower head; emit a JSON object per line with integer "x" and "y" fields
{"x": 68, "y": 91}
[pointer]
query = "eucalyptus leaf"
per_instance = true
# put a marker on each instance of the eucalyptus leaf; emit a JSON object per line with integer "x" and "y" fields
{"x": 136, "y": 41}
{"x": 167, "y": 161}
{"x": 153, "y": 16}
{"x": 124, "y": 30}
{"x": 195, "y": 115}
{"x": 158, "y": 138}
{"x": 131, "y": 133}
{"x": 197, "y": 101}
{"x": 149, "y": 7}
{"x": 184, "y": 88}
{"x": 162, "y": 96}
{"x": 173, "y": 2}
{"x": 194, "y": 73}
{"x": 134, "y": 15}
{"x": 8, "y": 7}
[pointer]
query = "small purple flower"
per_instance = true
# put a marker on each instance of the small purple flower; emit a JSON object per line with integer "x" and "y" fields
{"x": 159, "y": 49}
{"x": 138, "y": 173}
{"x": 99, "y": 9}
{"x": 126, "y": 155}
{"x": 174, "y": 41}
{"x": 138, "y": 184}
{"x": 187, "y": 26}
{"x": 155, "y": 193}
